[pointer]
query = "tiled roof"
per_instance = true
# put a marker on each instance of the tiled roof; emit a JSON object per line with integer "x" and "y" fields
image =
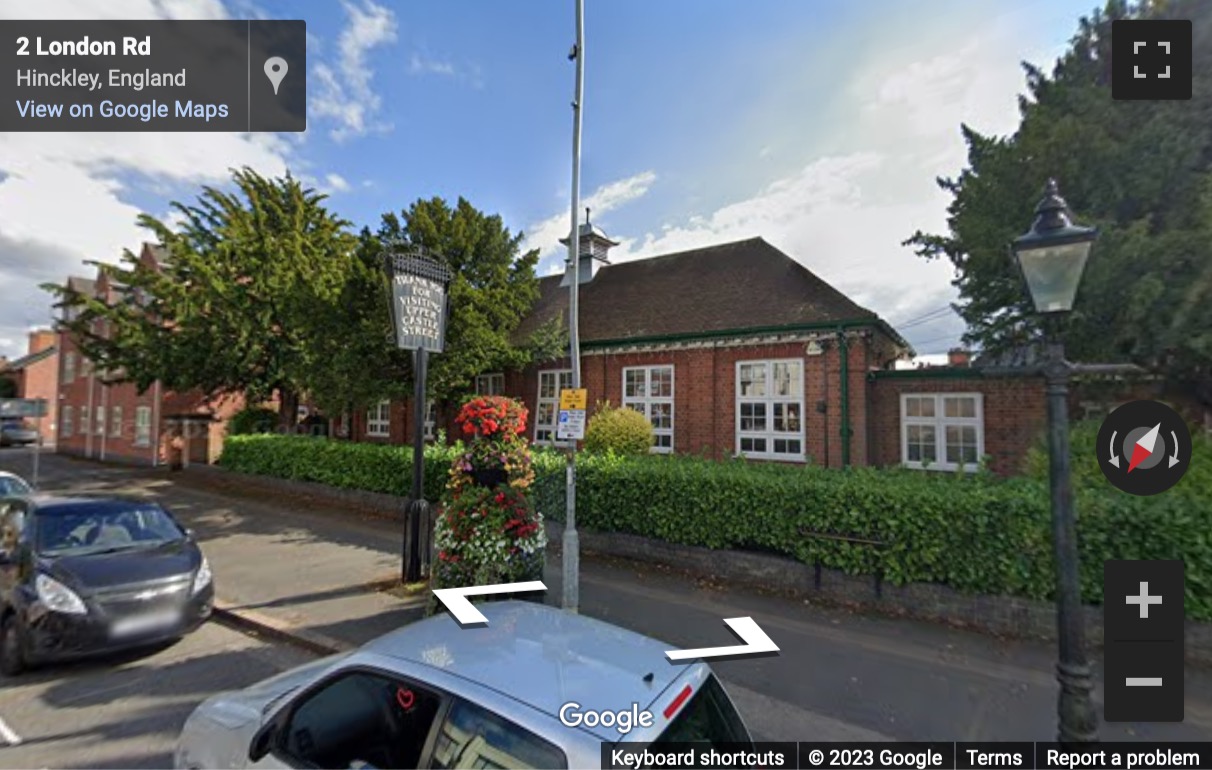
{"x": 729, "y": 287}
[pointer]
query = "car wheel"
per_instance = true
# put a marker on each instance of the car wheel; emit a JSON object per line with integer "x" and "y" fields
{"x": 12, "y": 660}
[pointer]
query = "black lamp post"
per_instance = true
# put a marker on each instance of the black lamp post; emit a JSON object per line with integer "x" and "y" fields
{"x": 1052, "y": 257}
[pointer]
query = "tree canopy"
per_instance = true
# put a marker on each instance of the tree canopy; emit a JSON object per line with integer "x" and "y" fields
{"x": 493, "y": 289}
{"x": 240, "y": 303}
{"x": 1141, "y": 171}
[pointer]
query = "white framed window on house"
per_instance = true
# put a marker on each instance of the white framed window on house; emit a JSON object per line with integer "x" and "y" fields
{"x": 942, "y": 431}
{"x": 69, "y": 367}
{"x": 649, "y": 391}
{"x": 378, "y": 419}
{"x": 84, "y": 424}
{"x": 100, "y": 420}
{"x": 490, "y": 384}
{"x": 65, "y": 422}
{"x": 547, "y": 406}
{"x": 770, "y": 409}
{"x": 115, "y": 421}
{"x": 142, "y": 426}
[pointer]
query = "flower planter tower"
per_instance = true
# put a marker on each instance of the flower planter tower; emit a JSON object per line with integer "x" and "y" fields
{"x": 487, "y": 530}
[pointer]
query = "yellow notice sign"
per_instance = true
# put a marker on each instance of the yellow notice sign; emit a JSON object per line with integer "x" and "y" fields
{"x": 574, "y": 399}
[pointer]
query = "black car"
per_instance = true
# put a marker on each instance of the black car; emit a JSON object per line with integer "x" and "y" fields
{"x": 87, "y": 575}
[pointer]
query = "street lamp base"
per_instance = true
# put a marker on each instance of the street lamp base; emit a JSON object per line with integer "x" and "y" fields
{"x": 1078, "y": 720}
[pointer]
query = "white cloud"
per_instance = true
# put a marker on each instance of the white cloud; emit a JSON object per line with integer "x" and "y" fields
{"x": 336, "y": 183}
{"x": 419, "y": 64}
{"x": 545, "y": 236}
{"x": 344, "y": 93}
{"x": 845, "y": 215}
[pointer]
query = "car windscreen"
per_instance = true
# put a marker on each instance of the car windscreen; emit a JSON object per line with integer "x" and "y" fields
{"x": 82, "y": 530}
{"x": 709, "y": 717}
{"x": 11, "y": 486}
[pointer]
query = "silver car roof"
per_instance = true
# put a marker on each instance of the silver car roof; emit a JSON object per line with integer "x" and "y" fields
{"x": 540, "y": 656}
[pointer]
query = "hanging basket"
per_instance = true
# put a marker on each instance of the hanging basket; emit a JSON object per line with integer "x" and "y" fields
{"x": 489, "y": 477}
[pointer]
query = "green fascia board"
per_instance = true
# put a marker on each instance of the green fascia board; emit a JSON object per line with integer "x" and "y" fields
{"x": 750, "y": 331}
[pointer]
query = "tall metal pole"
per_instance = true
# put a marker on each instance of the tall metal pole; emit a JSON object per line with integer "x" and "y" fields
{"x": 572, "y": 548}
{"x": 1078, "y": 722}
{"x": 418, "y": 507}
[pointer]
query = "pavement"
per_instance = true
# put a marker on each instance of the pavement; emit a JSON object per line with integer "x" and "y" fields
{"x": 299, "y": 570}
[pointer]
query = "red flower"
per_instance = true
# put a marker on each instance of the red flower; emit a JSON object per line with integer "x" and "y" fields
{"x": 500, "y": 497}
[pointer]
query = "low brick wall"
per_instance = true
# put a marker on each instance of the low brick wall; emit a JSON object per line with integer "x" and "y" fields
{"x": 1000, "y": 615}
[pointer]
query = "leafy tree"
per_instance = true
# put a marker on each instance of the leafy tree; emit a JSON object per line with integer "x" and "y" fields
{"x": 1139, "y": 170}
{"x": 241, "y": 304}
{"x": 493, "y": 289}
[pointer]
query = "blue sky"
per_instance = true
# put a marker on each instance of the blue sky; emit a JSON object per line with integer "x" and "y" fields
{"x": 818, "y": 125}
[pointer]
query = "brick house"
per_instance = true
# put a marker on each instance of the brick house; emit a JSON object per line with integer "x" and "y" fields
{"x": 36, "y": 375}
{"x": 104, "y": 418}
{"x": 734, "y": 349}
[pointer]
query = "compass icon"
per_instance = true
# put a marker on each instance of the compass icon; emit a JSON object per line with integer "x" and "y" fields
{"x": 1144, "y": 447}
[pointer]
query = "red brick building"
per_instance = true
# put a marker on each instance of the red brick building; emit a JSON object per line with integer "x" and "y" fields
{"x": 734, "y": 349}
{"x": 737, "y": 349}
{"x": 36, "y": 375}
{"x": 104, "y": 418}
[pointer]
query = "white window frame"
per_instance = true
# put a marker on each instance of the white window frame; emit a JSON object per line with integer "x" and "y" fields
{"x": 940, "y": 422}
{"x": 69, "y": 367}
{"x": 491, "y": 384}
{"x": 85, "y": 425}
{"x": 66, "y": 423}
{"x": 99, "y": 420}
{"x": 643, "y": 404}
{"x": 378, "y": 424}
{"x": 142, "y": 426}
{"x": 563, "y": 379}
{"x": 770, "y": 400}
{"x": 115, "y": 421}
{"x": 431, "y": 420}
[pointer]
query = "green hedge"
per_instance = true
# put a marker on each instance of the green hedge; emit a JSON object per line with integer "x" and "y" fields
{"x": 976, "y": 533}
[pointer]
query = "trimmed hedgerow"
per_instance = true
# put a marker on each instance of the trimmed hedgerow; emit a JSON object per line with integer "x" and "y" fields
{"x": 976, "y": 533}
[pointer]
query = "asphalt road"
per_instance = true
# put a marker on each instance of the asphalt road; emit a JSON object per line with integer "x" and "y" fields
{"x": 839, "y": 675}
{"x": 126, "y": 711}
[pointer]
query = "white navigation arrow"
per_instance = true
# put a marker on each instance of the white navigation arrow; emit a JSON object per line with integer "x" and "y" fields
{"x": 1114, "y": 454}
{"x": 465, "y": 612}
{"x": 754, "y": 638}
{"x": 1174, "y": 457}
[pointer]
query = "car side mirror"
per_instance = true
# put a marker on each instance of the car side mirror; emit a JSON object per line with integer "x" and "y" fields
{"x": 262, "y": 741}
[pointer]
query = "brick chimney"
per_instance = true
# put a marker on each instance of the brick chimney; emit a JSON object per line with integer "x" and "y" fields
{"x": 40, "y": 340}
{"x": 959, "y": 357}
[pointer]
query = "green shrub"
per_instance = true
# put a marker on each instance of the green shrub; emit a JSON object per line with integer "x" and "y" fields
{"x": 621, "y": 430}
{"x": 251, "y": 420}
{"x": 976, "y": 533}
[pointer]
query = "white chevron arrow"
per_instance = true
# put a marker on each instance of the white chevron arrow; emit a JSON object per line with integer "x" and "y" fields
{"x": 754, "y": 638}
{"x": 465, "y": 612}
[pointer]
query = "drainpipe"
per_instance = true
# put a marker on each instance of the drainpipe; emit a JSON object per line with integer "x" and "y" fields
{"x": 92, "y": 418}
{"x": 155, "y": 425}
{"x": 844, "y": 351}
{"x": 103, "y": 423}
{"x": 825, "y": 403}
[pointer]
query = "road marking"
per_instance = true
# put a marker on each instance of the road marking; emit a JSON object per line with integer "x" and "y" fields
{"x": 8, "y": 734}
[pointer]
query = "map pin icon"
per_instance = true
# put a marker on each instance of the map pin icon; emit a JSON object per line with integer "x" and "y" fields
{"x": 275, "y": 70}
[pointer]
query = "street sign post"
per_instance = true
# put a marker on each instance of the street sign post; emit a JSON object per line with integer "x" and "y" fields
{"x": 571, "y": 421}
{"x": 21, "y": 408}
{"x": 420, "y": 307}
